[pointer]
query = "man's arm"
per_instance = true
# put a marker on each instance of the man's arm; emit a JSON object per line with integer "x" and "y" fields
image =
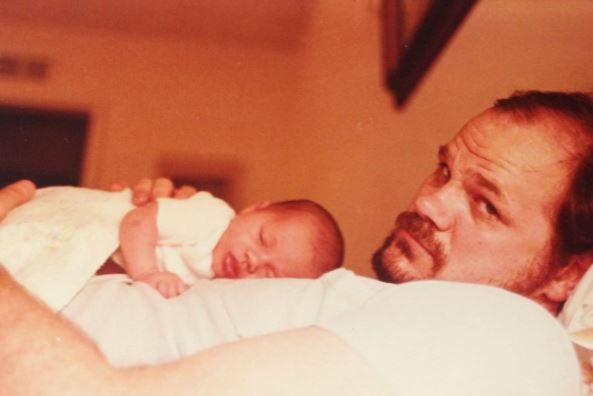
{"x": 39, "y": 352}
{"x": 307, "y": 361}
{"x": 14, "y": 195}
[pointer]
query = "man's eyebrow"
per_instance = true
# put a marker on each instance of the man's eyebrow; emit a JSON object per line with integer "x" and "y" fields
{"x": 478, "y": 178}
{"x": 486, "y": 184}
{"x": 443, "y": 152}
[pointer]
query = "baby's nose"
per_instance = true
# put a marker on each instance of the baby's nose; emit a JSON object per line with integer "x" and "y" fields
{"x": 251, "y": 262}
{"x": 255, "y": 262}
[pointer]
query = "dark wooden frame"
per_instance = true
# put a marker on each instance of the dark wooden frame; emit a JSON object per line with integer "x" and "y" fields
{"x": 409, "y": 51}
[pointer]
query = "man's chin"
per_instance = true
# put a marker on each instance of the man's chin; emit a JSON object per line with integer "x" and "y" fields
{"x": 380, "y": 269}
{"x": 392, "y": 261}
{"x": 386, "y": 267}
{"x": 394, "y": 265}
{"x": 393, "y": 273}
{"x": 384, "y": 275}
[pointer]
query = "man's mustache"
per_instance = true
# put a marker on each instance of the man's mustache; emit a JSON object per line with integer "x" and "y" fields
{"x": 420, "y": 229}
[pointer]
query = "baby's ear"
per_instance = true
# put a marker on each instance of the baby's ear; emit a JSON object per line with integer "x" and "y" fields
{"x": 257, "y": 206}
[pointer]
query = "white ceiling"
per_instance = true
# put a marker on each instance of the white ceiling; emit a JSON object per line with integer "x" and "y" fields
{"x": 278, "y": 23}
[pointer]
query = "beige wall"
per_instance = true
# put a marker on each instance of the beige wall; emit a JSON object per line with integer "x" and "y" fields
{"x": 311, "y": 119}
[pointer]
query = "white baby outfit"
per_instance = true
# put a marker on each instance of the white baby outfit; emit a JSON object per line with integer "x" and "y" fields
{"x": 188, "y": 232}
{"x": 53, "y": 244}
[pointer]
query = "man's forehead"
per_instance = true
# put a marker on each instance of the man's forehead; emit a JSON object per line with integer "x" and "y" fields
{"x": 509, "y": 143}
{"x": 518, "y": 162}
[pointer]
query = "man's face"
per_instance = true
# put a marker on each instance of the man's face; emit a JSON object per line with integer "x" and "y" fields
{"x": 486, "y": 213}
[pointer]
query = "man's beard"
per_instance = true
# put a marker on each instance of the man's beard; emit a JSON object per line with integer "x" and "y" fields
{"x": 393, "y": 260}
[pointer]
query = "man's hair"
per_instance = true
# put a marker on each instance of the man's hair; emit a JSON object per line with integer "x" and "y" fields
{"x": 328, "y": 241}
{"x": 574, "y": 221}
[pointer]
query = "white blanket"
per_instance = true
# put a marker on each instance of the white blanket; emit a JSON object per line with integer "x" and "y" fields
{"x": 56, "y": 242}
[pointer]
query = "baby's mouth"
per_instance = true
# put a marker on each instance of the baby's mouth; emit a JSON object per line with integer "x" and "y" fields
{"x": 230, "y": 266}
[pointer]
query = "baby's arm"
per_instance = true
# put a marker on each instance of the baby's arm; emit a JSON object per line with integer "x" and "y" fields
{"x": 138, "y": 236}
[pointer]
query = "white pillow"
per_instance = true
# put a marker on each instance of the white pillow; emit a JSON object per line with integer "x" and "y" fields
{"x": 577, "y": 313}
{"x": 577, "y": 317}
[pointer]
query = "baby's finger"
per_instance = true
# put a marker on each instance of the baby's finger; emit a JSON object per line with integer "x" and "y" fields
{"x": 142, "y": 192}
{"x": 181, "y": 288}
{"x": 163, "y": 288}
{"x": 162, "y": 187}
{"x": 185, "y": 192}
{"x": 173, "y": 289}
{"x": 117, "y": 186}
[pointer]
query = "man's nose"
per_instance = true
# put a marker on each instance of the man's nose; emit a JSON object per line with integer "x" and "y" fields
{"x": 440, "y": 205}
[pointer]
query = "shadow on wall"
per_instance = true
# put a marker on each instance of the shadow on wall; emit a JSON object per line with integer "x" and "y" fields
{"x": 218, "y": 176}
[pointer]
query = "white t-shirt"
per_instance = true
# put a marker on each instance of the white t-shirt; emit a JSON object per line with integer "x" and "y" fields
{"x": 133, "y": 324}
{"x": 444, "y": 338}
{"x": 423, "y": 338}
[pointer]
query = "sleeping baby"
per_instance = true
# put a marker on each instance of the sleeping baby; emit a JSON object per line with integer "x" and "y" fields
{"x": 58, "y": 240}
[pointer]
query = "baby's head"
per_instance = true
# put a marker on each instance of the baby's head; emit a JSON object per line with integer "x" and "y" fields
{"x": 288, "y": 239}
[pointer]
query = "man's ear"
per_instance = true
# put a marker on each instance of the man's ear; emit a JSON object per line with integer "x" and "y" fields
{"x": 257, "y": 206}
{"x": 560, "y": 286}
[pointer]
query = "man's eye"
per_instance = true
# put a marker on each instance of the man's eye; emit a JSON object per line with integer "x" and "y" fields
{"x": 486, "y": 207}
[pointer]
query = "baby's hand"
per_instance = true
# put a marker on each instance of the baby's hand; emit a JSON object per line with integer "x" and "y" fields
{"x": 166, "y": 283}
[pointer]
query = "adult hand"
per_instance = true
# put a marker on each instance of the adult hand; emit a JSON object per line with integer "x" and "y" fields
{"x": 147, "y": 190}
{"x": 14, "y": 195}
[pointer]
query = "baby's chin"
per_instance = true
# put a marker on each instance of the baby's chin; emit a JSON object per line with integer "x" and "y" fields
{"x": 218, "y": 273}
{"x": 217, "y": 267}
